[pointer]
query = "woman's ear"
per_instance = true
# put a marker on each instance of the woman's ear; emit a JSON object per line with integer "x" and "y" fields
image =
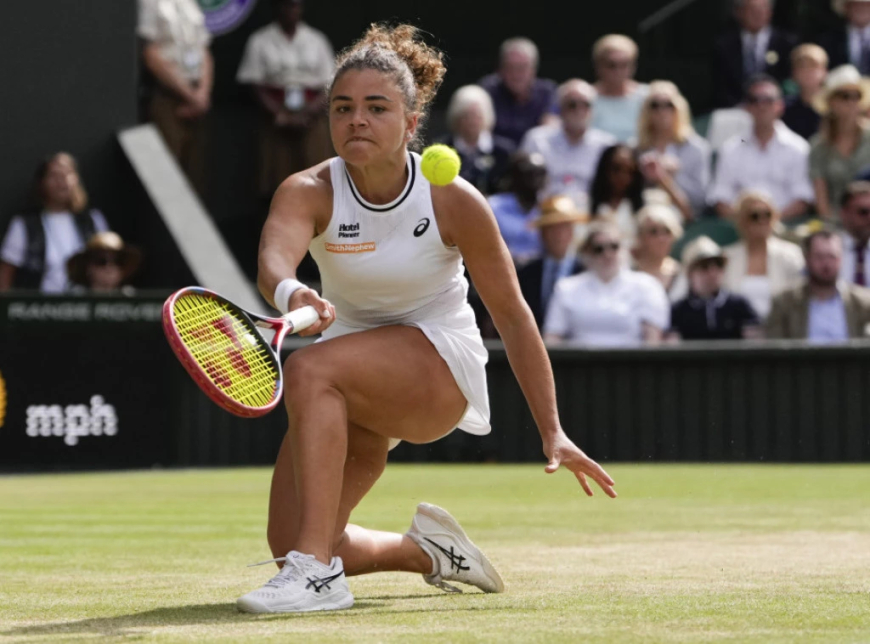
{"x": 413, "y": 120}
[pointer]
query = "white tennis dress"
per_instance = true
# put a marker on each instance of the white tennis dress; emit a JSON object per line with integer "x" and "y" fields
{"x": 386, "y": 264}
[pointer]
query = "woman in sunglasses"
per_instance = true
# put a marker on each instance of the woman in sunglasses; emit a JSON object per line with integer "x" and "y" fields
{"x": 617, "y": 189}
{"x": 760, "y": 265}
{"x": 619, "y": 95}
{"x": 841, "y": 149}
{"x": 608, "y": 305}
{"x": 672, "y": 155}
{"x": 658, "y": 227}
{"x": 104, "y": 266}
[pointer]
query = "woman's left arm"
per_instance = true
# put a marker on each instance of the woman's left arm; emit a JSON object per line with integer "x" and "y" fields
{"x": 466, "y": 221}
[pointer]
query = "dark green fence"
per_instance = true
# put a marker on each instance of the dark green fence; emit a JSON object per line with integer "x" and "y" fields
{"x": 91, "y": 383}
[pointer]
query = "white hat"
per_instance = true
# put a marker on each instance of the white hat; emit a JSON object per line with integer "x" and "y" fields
{"x": 700, "y": 249}
{"x": 840, "y": 5}
{"x": 838, "y": 78}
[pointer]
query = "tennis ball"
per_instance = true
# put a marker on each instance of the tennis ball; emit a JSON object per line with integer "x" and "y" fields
{"x": 440, "y": 164}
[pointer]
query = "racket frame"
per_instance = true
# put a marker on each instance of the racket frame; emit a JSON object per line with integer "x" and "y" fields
{"x": 281, "y": 327}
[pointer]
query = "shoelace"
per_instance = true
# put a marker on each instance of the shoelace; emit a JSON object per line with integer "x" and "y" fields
{"x": 290, "y": 572}
{"x": 447, "y": 588}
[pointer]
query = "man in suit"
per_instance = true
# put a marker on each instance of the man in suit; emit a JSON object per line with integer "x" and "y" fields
{"x": 753, "y": 47}
{"x": 822, "y": 308}
{"x": 538, "y": 278}
{"x": 849, "y": 44}
{"x": 855, "y": 217}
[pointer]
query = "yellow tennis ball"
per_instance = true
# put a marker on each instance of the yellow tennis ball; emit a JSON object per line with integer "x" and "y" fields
{"x": 440, "y": 164}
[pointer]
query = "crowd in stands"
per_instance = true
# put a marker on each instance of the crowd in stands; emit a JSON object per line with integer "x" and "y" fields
{"x": 607, "y": 197}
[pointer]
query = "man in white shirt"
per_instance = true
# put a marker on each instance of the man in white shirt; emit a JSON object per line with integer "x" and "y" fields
{"x": 571, "y": 148}
{"x": 175, "y": 51}
{"x": 855, "y": 217}
{"x": 289, "y": 64}
{"x": 773, "y": 159}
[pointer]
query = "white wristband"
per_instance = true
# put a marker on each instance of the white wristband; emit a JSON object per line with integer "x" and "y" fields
{"x": 282, "y": 294}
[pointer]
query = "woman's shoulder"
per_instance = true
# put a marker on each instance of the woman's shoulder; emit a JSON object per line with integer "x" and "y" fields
{"x": 313, "y": 182}
{"x": 696, "y": 142}
{"x": 784, "y": 248}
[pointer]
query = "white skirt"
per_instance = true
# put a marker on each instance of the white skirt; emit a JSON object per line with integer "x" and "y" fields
{"x": 457, "y": 340}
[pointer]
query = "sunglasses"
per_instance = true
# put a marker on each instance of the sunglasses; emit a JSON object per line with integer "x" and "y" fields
{"x": 862, "y": 212}
{"x": 623, "y": 168}
{"x": 617, "y": 64}
{"x": 845, "y": 95}
{"x": 655, "y": 231}
{"x": 661, "y": 105}
{"x": 600, "y": 249}
{"x": 573, "y": 105}
{"x": 759, "y": 215}
{"x": 105, "y": 260}
{"x": 755, "y": 99}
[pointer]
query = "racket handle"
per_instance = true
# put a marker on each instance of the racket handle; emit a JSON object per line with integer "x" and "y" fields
{"x": 301, "y": 319}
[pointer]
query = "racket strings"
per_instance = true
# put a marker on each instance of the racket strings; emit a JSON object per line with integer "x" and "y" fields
{"x": 231, "y": 352}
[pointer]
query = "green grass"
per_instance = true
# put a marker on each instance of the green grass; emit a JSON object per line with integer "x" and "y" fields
{"x": 688, "y": 553}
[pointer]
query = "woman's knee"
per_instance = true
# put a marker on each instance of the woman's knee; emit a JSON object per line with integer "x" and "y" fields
{"x": 306, "y": 372}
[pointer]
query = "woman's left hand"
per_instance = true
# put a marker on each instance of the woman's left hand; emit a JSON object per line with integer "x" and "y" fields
{"x": 560, "y": 450}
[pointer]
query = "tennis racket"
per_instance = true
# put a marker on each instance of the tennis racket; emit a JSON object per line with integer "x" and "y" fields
{"x": 219, "y": 345}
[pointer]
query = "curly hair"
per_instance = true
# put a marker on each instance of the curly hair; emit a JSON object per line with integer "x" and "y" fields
{"x": 400, "y": 53}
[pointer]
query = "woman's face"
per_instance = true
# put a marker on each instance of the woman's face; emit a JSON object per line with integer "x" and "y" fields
{"x": 470, "y": 123}
{"x": 662, "y": 113}
{"x": 655, "y": 239}
{"x": 615, "y": 67}
{"x": 104, "y": 271}
{"x": 602, "y": 254}
{"x": 58, "y": 184}
{"x": 621, "y": 172}
{"x": 845, "y": 103}
{"x": 756, "y": 220}
{"x": 367, "y": 117}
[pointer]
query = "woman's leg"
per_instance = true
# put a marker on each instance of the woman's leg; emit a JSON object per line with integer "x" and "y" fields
{"x": 361, "y": 550}
{"x": 389, "y": 381}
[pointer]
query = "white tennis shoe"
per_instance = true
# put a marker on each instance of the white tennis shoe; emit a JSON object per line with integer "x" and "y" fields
{"x": 303, "y": 584}
{"x": 454, "y": 556}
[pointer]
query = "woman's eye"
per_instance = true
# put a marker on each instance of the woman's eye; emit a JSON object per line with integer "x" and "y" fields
{"x": 342, "y": 109}
{"x": 377, "y": 109}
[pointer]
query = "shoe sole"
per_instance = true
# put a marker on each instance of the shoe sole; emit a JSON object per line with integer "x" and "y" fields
{"x": 443, "y": 517}
{"x": 259, "y": 608}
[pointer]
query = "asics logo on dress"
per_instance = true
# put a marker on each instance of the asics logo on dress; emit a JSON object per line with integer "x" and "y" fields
{"x": 348, "y": 230}
{"x": 317, "y": 583}
{"x": 422, "y": 227}
{"x": 456, "y": 560}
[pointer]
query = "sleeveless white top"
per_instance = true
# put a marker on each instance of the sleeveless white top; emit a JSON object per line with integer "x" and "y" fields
{"x": 386, "y": 264}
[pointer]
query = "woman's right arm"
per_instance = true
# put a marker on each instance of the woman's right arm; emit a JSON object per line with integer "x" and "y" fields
{"x": 7, "y": 276}
{"x": 298, "y": 213}
{"x": 823, "y": 205}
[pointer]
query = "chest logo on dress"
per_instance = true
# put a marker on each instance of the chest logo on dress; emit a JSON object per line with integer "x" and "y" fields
{"x": 422, "y": 227}
{"x": 348, "y": 230}
{"x": 362, "y": 247}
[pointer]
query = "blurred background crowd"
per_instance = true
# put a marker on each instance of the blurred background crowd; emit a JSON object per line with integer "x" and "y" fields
{"x": 633, "y": 216}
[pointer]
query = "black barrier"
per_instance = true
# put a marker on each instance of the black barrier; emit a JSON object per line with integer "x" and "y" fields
{"x": 91, "y": 383}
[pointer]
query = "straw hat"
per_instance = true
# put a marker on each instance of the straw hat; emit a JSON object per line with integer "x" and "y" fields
{"x": 844, "y": 76}
{"x": 840, "y": 5}
{"x": 129, "y": 257}
{"x": 701, "y": 249}
{"x": 558, "y": 210}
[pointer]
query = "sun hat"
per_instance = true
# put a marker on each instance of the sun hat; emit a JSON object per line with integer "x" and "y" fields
{"x": 840, "y": 78}
{"x": 129, "y": 257}
{"x": 557, "y": 210}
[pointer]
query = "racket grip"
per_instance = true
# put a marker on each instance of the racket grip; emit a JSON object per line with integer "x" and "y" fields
{"x": 301, "y": 319}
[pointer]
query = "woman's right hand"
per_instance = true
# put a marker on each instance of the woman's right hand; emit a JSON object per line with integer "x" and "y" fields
{"x": 309, "y": 297}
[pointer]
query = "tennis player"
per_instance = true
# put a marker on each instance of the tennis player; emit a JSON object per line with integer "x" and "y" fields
{"x": 400, "y": 356}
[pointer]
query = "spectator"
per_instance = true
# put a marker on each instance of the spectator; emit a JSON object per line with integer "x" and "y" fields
{"x": 658, "y": 227}
{"x": 709, "y": 311}
{"x": 809, "y": 65}
{"x": 773, "y": 159}
{"x": 842, "y": 147}
{"x": 176, "y": 53}
{"x": 673, "y": 156}
{"x": 288, "y": 64}
{"x": 619, "y": 97}
{"x": 760, "y": 265}
{"x": 538, "y": 278}
{"x": 855, "y": 217}
{"x": 821, "y": 308}
{"x": 571, "y": 149}
{"x": 608, "y": 305}
{"x": 752, "y": 47}
{"x": 521, "y": 99}
{"x": 104, "y": 266}
{"x": 484, "y": 155}
{"x": 38, "y": 244}
{"x": 617, "y": 189}
{"x": 850, "y": 43}
{"x": 518, "y": 207}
